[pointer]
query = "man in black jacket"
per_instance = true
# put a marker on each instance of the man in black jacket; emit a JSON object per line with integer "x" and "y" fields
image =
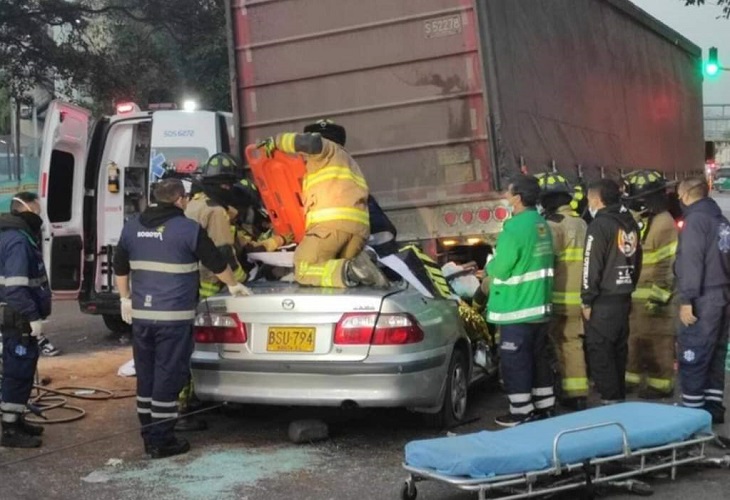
{"x": 611, "y": 268}
{"x": 702, "y": 268}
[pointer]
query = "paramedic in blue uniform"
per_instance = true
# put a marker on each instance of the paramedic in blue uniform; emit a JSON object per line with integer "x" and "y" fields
{"x": 26, "y": 301}
{"x": 702, "y": 268}
{"x": 161, "y": 248}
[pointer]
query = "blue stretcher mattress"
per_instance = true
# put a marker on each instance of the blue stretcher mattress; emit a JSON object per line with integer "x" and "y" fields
{"x": 529, "y": 447}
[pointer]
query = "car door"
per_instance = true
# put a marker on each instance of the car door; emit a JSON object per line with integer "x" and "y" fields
{"x": 61, "y": 186}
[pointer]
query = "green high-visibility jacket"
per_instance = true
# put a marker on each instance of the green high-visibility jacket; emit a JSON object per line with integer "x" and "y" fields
{"x": 521, "y": 271}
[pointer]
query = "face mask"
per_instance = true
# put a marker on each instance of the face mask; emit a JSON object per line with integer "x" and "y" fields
{"x": 593, "y": 212}
{"x": 540, "y": 209}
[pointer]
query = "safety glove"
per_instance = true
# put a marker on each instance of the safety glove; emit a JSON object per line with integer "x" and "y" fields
{"x": 239, "y": 290}
{"x": 268, "y": 145}
{"x": 36, "y": 328}
{"x": 653, "y": 308}
{"x": 126, "y": 309}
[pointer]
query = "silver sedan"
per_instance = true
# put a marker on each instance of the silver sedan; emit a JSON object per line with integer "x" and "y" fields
{"x": 292, "y": 345}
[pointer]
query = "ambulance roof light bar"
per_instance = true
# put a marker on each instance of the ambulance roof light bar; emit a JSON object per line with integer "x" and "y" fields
{"x": 127, "y": 107}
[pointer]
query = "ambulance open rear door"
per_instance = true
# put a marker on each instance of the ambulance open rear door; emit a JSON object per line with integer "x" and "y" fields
{"x": 61, "y": 190}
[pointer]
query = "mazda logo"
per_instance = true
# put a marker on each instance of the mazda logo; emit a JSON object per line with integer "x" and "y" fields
{"x": 287, "y": 304}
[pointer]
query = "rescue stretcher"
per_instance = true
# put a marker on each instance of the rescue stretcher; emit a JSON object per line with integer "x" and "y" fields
{"x": 599, "y": 447}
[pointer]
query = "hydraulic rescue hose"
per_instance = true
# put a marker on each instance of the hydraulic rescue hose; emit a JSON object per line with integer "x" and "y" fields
{"x": 128, "y": 430}
{"x": 49, "y": 399}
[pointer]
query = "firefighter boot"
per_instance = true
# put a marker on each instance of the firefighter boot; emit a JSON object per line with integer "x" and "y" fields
{"x": 190, "y": 423}
{"x": 362, "y": 270}
{"x": 15, "y": 437}
{"x": 177, "y": 446}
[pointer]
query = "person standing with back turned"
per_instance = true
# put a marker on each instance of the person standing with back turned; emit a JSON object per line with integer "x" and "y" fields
{"x": 161, "y": 248}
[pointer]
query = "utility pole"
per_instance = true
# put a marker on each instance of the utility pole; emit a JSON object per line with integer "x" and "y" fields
{"x": 17, "y": 139}
{"x": 7, "y": 156}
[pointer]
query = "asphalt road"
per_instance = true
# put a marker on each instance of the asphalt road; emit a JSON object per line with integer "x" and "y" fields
{"x": 245, "y": 454}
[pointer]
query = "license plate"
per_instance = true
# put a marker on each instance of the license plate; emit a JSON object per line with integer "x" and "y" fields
{"x": 290, "y": 339}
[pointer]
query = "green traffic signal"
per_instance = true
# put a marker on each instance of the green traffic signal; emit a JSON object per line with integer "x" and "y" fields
{"x": 712, "y": 66}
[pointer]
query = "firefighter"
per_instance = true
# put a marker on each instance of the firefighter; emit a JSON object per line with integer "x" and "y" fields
{"x": 336, "y": 210}
{"x": 651, "y": 344}
{"x": 212, "y": 206}
{"x": 161, "y": 249}
{"x": 214, "y": 209}
{"x": 566, "y": 326}
{"x": 252, "y": 226}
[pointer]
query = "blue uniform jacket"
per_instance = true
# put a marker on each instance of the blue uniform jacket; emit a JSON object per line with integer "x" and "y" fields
{"x": 703, "y": 253}
{"x": 23, "y": 280}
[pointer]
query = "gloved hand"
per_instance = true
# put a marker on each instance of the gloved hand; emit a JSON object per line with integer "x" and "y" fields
{"x": 269, "y": 145}
{"x": 238, "y": 290}
{"x": 653, "y": 308}
{"x": 36, "y": 328}
{"x": 126, "y": 309}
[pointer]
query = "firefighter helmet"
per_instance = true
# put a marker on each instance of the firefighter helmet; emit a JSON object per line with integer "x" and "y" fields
{"x": 643, "y": 182}
{"x": 329, "y": 130}
{"x": 579, "y": 199}
{"x": 553, "y": 183}
{"x": 221, "y": 167}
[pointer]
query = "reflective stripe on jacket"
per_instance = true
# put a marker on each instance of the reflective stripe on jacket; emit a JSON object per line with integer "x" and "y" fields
{"x": 334, "y": 188}
{"x": 569, "y": 235}
{"x": 659, "y": 243}
{"x": 521, "y": 271}
{"x": 164, "y": 270}
{"x": 215, "y": 221}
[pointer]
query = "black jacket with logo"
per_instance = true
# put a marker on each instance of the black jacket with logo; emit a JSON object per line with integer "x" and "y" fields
{"x": 612, "y": 255}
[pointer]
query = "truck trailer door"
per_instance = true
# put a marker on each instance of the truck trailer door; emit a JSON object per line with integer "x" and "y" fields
{"x": 61, "y": 183}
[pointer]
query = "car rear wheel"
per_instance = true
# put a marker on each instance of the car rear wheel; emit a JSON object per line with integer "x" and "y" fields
{"x": 455, "y": 402}
{"x": 116, "y": 324}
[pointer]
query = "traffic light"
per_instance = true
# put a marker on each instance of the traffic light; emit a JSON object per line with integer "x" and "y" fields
{"x": 712, "y": 66}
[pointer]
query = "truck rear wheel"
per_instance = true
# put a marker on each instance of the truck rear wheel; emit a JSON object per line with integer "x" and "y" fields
{"x": 115, "y": 323}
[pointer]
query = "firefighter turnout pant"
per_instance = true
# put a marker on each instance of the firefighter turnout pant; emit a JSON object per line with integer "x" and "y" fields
{"x": 651, "y": 347}
{"x": 526, "y": 366}
{"x": 606, "y": 340}
{"x": 566, "y": 332}
{"x": 320, "y": 257}
{"x": 701, "y": 351}
{"x": 20, "y": 359}
{"x": 162, "y": 361}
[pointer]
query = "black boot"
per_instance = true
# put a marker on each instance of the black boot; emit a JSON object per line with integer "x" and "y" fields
{"x": 32, "y": 429}
{"x": 177, "y": 446}
{"x": 15, "y": 437}
{"x": 190, "y": 424}
{"x": 362, "y": 270}
{"x": 575, "y": 404}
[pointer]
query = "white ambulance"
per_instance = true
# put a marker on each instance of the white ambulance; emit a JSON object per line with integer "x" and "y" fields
{"x": 96, "y": 174}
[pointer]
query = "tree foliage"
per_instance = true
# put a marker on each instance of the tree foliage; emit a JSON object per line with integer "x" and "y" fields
{"x": 143, "y": 50}
{"x": 725, "y": 4}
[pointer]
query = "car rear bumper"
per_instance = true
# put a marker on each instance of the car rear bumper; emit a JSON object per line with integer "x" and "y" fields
{"x": 416, "y": 383}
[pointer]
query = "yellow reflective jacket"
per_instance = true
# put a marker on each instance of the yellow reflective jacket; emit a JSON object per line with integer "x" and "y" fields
{"x": 334, "y": 188}
{"x": 216, "y": 222}
{"x": 659, "y": 243}
{"x": 569, "y": 236}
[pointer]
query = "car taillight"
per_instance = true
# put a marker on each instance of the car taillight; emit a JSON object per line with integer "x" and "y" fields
{"x": 391, "y": 329}
{"x": 213, "y": 328}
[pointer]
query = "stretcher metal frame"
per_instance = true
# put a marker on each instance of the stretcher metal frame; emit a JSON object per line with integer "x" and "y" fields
{"x": 571, "y": 476}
